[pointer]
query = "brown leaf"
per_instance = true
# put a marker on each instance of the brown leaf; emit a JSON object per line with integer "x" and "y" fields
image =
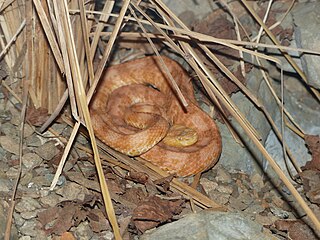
{"x": 284, "y": 225}
{"x": 134, "y": 195}
{"x": 65, "y": 220}
{"x": 79, "y": 216}
{"x": 313, "y": 144}
{"x": 153, "y": 212}
{"x": 300, "y": 231}
{"x": 97, "y": 221}
{"x": 311, "y": 180}
{"x": 138, "y": 177}
{"x": 297, "y": 230}
{"x": 67, "y": 236}
{"x": 48, "y": 215}
{"x": 37, "y": 117}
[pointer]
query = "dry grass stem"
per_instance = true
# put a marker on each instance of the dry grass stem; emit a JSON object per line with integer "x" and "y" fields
{"x": 70, "y": 61}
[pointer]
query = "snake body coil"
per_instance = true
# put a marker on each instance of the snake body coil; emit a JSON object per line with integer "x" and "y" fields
{"x": 135, "y": 111}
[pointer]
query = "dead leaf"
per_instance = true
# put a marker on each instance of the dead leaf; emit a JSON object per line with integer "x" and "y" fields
{"x": 67, "y": 236}
{"x": 138, "y": 177}
{"x": 98, "y": 221}
{"x": 134, "y": 195}
{"x": 48, "y": 215}
{"x": 311, "y": 180}
{"x": 37, "y": 117}
{"x": 313, "y": 144}
{"x": 154, "y": 211}
{"x": 297, "y": 230}
{"x": 65, "y": 220}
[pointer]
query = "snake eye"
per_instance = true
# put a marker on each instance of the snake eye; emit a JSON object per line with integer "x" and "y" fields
{"x": 152, "y": 86}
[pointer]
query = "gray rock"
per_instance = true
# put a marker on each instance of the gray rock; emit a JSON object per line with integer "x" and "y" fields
{"x": 10, "y": 130}
{"x": 12, "y": 173}
{"x": 200, "y": 8}
{"x": 219, "y": 197}
{"x": 306, "y": 112}
{"x": 46, "y": 180}
{"x": 5, "y": 185}
{"x": 9, "y": 144}
{"x": 105, "y": 235}
{"x": 28, "y": 130}
{"x": 30, "y": 215}
{"x": 25, "y": 238}
{"x": 83, "y": 231}
{"x": 32, "y": 228}
{"x": 31, "y": 160}
{"x": 210, "y": 225}
{"x": 248, "y": 158}
{"x": 306, "y": 18}
{"x": 26, "y": 178}
{"x": 72, "y": 191}
{"x": 27, "y": 204}
{"x": 47, "y": 151}
{"x": 2, "y": 154}
{"x": 5, "y": 116}
{"x": 223, "y": 176}
{"x": 3, "y": 223}
{"x": 50, "y": 200}
{"x": 33, "y": 141}
{"x": 18, "y": 220}
{"x": 59, "y": 127}
{"x": 208, "y": 185}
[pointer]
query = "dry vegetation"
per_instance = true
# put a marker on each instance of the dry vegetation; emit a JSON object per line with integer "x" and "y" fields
{"x": 56, "y": 51}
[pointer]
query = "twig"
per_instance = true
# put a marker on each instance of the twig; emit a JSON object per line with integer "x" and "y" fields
{"x": 13, "y": 39}
{"x": 22, "y": 117}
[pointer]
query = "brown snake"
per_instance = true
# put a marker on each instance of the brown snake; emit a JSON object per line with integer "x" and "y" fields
{"x": 136, "y": 112}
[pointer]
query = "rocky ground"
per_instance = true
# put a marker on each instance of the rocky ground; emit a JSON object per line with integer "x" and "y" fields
{"x": 259, "y": 206}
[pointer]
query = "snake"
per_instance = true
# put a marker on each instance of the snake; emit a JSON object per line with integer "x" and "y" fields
{"x": 137, "y": 111}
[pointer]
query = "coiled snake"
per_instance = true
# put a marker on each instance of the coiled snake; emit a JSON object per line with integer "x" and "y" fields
{"x": 136, "y": 112}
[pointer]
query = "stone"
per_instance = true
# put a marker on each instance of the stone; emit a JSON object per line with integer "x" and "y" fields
{"x": 28, "y": 131}
{"x": 45, "y": 180}
{"x": 18, "y": 220}
{"x": 5, "y": 185}
{"x": 227, "y": 189}
{"x": 219, "y": 197}
{"x": 247, "y": 158}
{"x": 200, "y": 9}
{"x": 10, "y": 130}
{"x": 32, "y": 228}
{"x": 223, "y": 176}
{"x": 210, "y": 225}
{"x": 47, "y": 151}
{"x": 72, "y": 191}
{"x": 83, "y": 231}
{"x": 2, "y": 154}
{"x": 9, "y": 144}
{"x": 265, "y": 220}
{"x": 236, "y": 203}
{"x": 59, "y": 127}
{"x": 26, "y": 178}
{"x": 29, "y": 215}
{"x": 12, "y": 173}
{"x": 27, "y": 204}
{"x": 306, "y": 18}
{"x": 5, "y": 116}
{"x": 31, "y": 160}
{"x": 25, "y": 238}
{"x": 208, "y": 185}
{"x": 50, "y": 200}
{"x": 33, "y": 141}
{"x": 257, "y": 182}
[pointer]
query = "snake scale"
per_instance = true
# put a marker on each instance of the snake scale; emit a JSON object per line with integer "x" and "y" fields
{"x": 135, "y": 111}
